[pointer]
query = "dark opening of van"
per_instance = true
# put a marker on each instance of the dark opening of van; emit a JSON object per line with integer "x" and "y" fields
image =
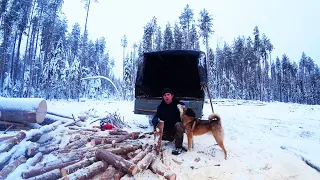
{"x": 184, "y": 71}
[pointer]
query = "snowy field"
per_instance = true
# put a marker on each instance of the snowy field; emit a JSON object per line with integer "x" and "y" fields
{"x": 263, "y": 140}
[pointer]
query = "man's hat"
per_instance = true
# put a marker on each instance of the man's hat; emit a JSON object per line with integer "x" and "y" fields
{"x": 167, "y": 90}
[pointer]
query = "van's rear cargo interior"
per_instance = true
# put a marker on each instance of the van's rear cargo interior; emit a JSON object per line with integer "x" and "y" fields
{"x": 180, "y": 70}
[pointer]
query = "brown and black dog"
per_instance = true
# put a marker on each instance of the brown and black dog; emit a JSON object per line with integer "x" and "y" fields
{"x": 196, "y": 127}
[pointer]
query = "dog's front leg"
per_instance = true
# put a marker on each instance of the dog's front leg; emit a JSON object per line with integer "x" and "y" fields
{"x": 190, "y": 141}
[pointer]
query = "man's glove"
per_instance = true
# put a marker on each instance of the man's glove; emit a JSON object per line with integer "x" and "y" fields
{"x": 155, "y": 121}
{"x": 156, "y": 130}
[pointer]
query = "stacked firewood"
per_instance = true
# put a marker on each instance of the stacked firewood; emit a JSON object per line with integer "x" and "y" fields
{"x": 46, "y": 153}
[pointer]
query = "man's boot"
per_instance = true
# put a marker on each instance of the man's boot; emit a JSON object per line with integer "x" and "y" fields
{"x": 178, "y": 138}
{"x": 177, "y": 151}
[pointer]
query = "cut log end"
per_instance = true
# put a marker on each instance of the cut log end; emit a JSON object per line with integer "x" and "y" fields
{"x": 64, "y": 172}
{"x": 117, "y": 161}
{"x": 135, "y": 170}
{"x": 41, "y": 111}
{"x": 173, "y": 177}
{"x": 23, "y": 110}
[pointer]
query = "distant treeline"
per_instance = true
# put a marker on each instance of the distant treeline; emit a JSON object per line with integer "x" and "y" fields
{"x": 40, "y": 58}
{"x": 241, "y": 70}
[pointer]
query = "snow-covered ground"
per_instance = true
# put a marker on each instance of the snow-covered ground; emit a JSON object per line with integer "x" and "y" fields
{"x": 263, "y": 140}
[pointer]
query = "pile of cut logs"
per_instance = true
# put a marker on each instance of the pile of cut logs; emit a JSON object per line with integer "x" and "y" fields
{"x": 63, "y": 151}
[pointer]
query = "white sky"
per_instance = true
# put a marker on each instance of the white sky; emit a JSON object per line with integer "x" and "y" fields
{"x": 292, "y": 25}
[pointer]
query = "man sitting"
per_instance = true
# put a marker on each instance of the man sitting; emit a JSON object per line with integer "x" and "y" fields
{"x": 168, "y": 112}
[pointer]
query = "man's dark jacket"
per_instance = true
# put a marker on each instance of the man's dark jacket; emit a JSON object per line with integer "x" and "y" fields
{"x": 168, "y": 113}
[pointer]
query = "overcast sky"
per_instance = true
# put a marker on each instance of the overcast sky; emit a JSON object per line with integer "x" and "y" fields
{"x": 292, "y": 25}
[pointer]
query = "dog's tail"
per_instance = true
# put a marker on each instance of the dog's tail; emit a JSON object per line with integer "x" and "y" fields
{"x": 214, "y": 117}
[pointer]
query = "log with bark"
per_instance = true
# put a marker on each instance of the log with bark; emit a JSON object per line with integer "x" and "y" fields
{"x": 47, "y": 138}
{"x": 51, "y": 175}
{"x": 166, "y": 158}
{"x": 76, "y": 144}
{"x": 60, "y": 115}
{"x": 61, "y": 161}
{"x": 133, "y": 154}
{"x": 145, "y": 135}
{"x": 3, "y": 138}
{"x": 134, "y": 135}
{"x": 79, "y": 165}
{"x": 108, "y": 174}
{"x": 86, "y": 133}
{"x": 158, "y": 168}
{"x": 83, "y": 128}
{"x": 11, "y": 167}
{"x": 121, "y": 151}
{"x": 4, "y": 158}
{"x": 159, "y": 137}
{"x": 48, "y": 148}
{"x": 141, "y": 154}
{"x": 6, "y": 146}
{"x": 146, "y": 161}
{"x": 49, "y": 119}
{"x": 118, "y": 132}
{"x": 35, "y": 159}
{"x": 31, "y": 151}
{"x": 87, "y": 172}
{"x": 6, "y": 126}
{"x": 117, "y": 161}
{"x": 119, "y": 174}
{"x": 23, "y": 110}
{"x": 38, "y": 171}
{"x": 35, "y": 134}
{"x": 75, "y": 138}
{"x": 82, "y": 150}
{"x": 108, "y": 136}
{"x": 125, "y": 149}
{"x": 97, "y": 141}
{"x": 69, "y": 123}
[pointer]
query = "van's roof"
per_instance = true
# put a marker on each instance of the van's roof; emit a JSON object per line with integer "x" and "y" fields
{"x": 175, "y": 52}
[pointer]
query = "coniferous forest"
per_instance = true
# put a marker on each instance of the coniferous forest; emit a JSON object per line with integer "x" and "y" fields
{"x": 40, "y": 58}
